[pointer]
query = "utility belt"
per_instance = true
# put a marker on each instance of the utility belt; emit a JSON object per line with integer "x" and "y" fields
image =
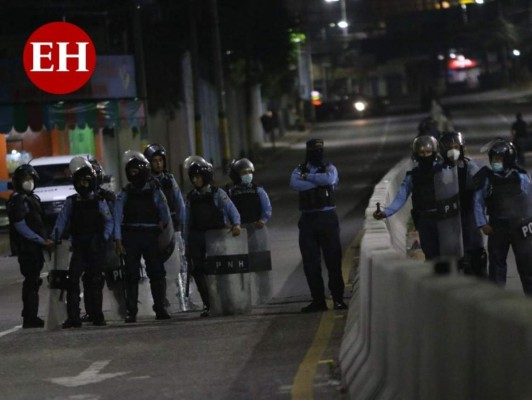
{"x": 320, "y": 197}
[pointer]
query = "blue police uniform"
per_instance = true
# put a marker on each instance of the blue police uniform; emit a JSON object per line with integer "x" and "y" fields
{"x": 206, "y": 209}
{"x": 420, "y": 183}
{"x": 27, "y": 236}
{"x": 91, "y": 225}
{"x": 174, "y": 198}
{"x": 506, "y": 197}
{"x": 319, "y": 229}
{"x": 138, "y": 216}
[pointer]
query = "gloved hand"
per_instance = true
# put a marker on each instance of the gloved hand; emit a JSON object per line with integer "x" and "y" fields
{"x": 378, "y": 215}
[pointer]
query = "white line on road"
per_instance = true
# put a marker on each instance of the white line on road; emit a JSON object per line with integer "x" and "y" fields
{"x": 90, "y": 375}
{"x": 14, "y": 329}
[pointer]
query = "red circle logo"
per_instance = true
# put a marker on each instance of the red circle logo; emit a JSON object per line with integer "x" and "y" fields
{"x": 59, "y": 57}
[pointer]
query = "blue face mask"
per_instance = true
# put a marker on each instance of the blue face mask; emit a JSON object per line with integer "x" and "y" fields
{"x": 497, "y": 167}
{"x": 247, "y": 179}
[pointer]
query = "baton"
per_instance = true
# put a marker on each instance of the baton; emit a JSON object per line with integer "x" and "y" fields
{"x": 378, "y": 207}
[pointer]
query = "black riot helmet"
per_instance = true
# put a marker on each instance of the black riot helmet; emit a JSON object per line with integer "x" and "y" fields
{"x": 448, "y": 141}
{"x": 422, "y": 146}
{"x": 236, "y": 168}
{"x": 21, "y": 174}
{"x": 83, "y": 175}
{"x": 153, "y": 150}
{"x": 428, "y": 127}
{"x": 506, "y": 150}
{"x": 203, "y": 169}
{"x": 137, "y": 168}
{"x": 97, "y": 167}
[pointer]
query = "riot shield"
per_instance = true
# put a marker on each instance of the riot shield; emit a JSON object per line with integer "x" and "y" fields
{"x": 446, "y": 191}
{"x": 57, "y": 283}
{"x": 227, "y": 272}
{"x": 260, "y": 264}
{"x": 167, "y": 241}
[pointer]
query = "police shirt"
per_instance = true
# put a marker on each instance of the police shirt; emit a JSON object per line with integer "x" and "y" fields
{"x": 160, "y": 203}
{"x": 313, "y": 180}
{"x": 65, "y": 217}
{"x": 176, "y": 204}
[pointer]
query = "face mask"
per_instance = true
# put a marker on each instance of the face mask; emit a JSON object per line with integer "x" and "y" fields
{"x": 247, "y": 179}
{"x": 425, "y": 162}
{"x": 28, "y": 186}
{"x": 497, "y": 167}
{"x": 315, "y": 157}
{"x": 453, "y": 154}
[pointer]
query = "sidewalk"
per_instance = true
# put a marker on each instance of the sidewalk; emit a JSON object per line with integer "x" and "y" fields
{"x": 266, "y": 151}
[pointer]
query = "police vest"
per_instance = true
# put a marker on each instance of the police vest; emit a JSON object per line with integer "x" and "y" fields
{"x": 466, "y": 195}
{"x": 423, "y": 197}
{"x": 318, "y": 197}
{"x": 140, "y": 207}
{"x": 505, "y": 198}
{"x": 247, "y": 202}
{"x": 204, "y": 215}
{"x": 86, "y": 217}
{"x": 33, "y": 218}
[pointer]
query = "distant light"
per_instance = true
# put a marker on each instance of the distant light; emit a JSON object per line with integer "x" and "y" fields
{"x": 445, "y": 4}
{"x": 462, "y": 63}
{"x": 452, "y": 55}
{"x": 359, "y": 106}
{"x": 441, "y": 57}
{"x": 332, "y": 24}
{"x": 343, "y": 24}
{"x": 479, "y": 1}
{"x": 516, "y": 52}
{"x": 331, "y": 1}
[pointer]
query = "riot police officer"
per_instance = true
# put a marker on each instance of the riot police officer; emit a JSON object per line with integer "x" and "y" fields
{"x": 451, "y": 145}
{"x": 28, "y": 238}
{"x": 91, "y": 225}
{"x": 208, "y": 207}
{"x": 505, "y": 195}
{"x": 141, "y": 214}
{"x": 156, "y": 155}
{"x": 251, "y": 201}
{"x": 420, "y": 182}
{"x": 110, "y": 260}
{"x": 319, "y": 229}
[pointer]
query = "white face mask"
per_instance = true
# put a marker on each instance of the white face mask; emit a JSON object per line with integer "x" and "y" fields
{"x": 247, "y": 179}
{"x": 453, "y": 154}
{"x": 497, "y": 166}
{"x": 28, "y": 185}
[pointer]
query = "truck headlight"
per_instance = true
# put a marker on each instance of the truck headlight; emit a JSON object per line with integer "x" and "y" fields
{"x": 359, "y": 106}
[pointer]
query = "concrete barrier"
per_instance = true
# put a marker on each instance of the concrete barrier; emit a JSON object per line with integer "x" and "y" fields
{"x": 412, "y": 334}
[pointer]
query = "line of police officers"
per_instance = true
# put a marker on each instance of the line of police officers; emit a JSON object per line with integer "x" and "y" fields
{"x": 495, "y": 200}
{"x": 134, "y": 223}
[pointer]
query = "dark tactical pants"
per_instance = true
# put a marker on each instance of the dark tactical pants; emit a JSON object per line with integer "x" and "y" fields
{"x": 31, "y": 263}
{"x": 506, "y": 235}
{"x": 197, "y": 248}
{"x": 144, "y": 243}
{"x": 319, "y": 232}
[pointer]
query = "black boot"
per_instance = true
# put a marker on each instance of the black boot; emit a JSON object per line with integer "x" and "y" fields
{"x": 30, "y": 301}
{"x": 73, "y": 320}
{"x": 132, "y": 296}
{"x": 315, "y": 306}
{"x": 35, "y": 322}
{"x": 158, "y": 292}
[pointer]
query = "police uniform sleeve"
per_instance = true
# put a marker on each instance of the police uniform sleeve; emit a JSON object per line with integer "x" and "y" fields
{"x": 329, "y": 177}
{"x": 265, "y": 203}
{"x": 231, "y": 214}
{"x": 108, "y": 219}
{"x": 118, "y": 214}
{"x": 162, "y": 206}
{"x": 62, "y": 219}
{"x": 17, "y": 211}
{"x": 402, "y": 196}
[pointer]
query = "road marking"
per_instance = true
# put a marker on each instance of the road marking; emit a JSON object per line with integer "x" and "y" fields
{"x": 303, "y": 386}
{"x": 14, "y": 329}
{"x": 90, "y": 375}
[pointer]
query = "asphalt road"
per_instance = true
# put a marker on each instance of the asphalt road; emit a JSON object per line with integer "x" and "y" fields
{"x": 274, "y": 353}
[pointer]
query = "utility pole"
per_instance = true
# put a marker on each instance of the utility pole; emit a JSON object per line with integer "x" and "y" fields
{"x": 198, "y": 134}
{"x": 219, "y": 77}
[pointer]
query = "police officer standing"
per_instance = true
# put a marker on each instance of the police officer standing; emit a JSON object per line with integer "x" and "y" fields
{"x": 208, "y": 207}
{"x": 251, "y": 201}
{"x": 451, "y": 147}
{"x": 505, "y": 195}
{"x": 420, "y": 183}
{"x": 519, "y": 132}
{"x": 91, "y": 225}
{"x": 319, "y": 229}
{"x": 141, "y": 214}
{"x": 27, "y": 236}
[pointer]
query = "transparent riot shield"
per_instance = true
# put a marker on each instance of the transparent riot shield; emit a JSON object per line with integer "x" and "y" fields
{"x": 57, "y": 263}
{"x": 260, "y": 264}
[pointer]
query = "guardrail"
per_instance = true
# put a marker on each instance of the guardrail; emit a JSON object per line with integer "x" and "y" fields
{"x": 412, "y": 334}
